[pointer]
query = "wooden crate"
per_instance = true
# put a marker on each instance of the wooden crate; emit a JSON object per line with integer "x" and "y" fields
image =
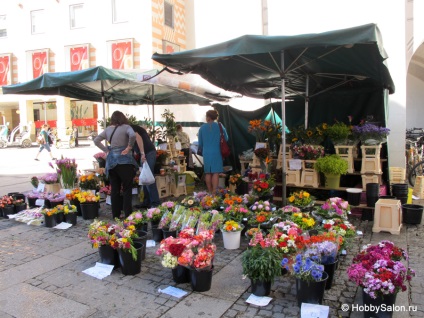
{"x": 348, "y": 153}
{"x": 388, "y": 216}
{"x": 371, "y": 159}
{"x": 419, "y": 187}
{"x": 397, "y": 174}
{"x": 309, "y": 176}
{"x": 163, "y": 186}
{"x": 370, "y": 178}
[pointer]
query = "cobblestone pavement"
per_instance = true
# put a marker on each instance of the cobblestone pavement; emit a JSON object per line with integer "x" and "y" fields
{"x": 41, "y": 276}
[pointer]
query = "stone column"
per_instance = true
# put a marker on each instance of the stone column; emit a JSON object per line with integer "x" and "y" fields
{"x": 26, "y": 115}
{"x": 63, "y": 112}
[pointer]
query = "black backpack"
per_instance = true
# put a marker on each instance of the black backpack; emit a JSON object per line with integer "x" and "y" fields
{"x": 50, "y": 139}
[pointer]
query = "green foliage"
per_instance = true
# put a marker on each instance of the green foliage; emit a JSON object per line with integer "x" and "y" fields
{"x": 339, "y": 132}
{"x": 78, "y": 112}
{"x": 261, "y": 264}
{"x": 132, "y": 120}
{"x": 331, "y": 164}
{"x": 170, "y": 125}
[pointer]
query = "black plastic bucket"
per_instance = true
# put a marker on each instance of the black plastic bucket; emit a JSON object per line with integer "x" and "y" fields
{"x": 412, "y": 213}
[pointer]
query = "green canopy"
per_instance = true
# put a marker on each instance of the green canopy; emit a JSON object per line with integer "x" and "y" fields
{"x": 281, "y": 66}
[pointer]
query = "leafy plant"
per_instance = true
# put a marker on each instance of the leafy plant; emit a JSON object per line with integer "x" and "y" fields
{"x": 331, "y": 164}
{"x": 261, "y": 264}
{"x": 339, "y": 132}
{"x": 170, "y": 125}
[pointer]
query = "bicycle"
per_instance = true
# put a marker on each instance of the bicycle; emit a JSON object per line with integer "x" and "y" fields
{"x": 414, "y": 154}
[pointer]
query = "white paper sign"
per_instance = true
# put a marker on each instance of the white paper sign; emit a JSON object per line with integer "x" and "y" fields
{"x": 260, "y": 145}
{"x": 40, "y": 187}
{"x": 344, "y": 252}
{"x": 173, "y": 291}
{"x": 99, "y": 271}
{"x": 258, "y": 301}
{"x": 150, "y": 243}
{"x": 65, "y": 191}
{"x": 359, "y": 232}
{"x": 39, "y": 202}
{"x": 295, "y": 164}
{"x": 178, "y": 145}
{"x": 108, "y": 200}
{"x": 134, "y": 191}
{"x": 63, "y": 226}
{"x": 314, "y": 311}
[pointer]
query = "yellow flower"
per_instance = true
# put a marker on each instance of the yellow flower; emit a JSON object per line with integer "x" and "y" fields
{"x": 306, "y": 194}
{"x": 124, "y": 240}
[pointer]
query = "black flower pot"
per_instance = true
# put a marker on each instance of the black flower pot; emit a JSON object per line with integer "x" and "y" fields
{"x": 201, "y": 280}
{"x": 108, "y": 255}
{"x": 157, "y": 234}
{"x": 310, "y": 292}
{"x": 31, "y": 202}
{"x": 242, "y": 188}
{"x": 142, "y": 227}
{"x": 167, "y": 233}
{"x": 60, "y": 217}
{"x": 412, "y": 213}
{"x": 142, "y": 238}
{"x": 371, "y": 303}
{"x": 129, "y": 266}
{"x": 90, "y": 210}
{"x": 154, "y": 223}
{"x": 19, "y": 208}
{"x": 181, "y": 274}
{"x": 71, "y": 218}
{"x": 49, "y": 221}
{"x": 260, "y": 288}
{"x": 47, "y": 204}
{"x": 8, "y": 209}
{"x": 330, "y": 269}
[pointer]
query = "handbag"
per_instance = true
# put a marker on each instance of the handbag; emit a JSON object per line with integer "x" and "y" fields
{"x": 225, "y": 149}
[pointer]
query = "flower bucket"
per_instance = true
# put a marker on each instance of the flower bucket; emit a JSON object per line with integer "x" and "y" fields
{"x": 8, "y": 209}
{"x": 59, "y": 217}
{"x": 129, "y": 266}
{"x": 387, "y": 300}
{"x": 167, "y": 233}
{"x": 354, "y": 196}
{"x": 157, "y": 234}
{"x": 181, "y": 274}
{"x": 310, "y": 292}
{"x": 332, "y": 181}
{"x": 90, "y": 210}
{"x": 31, "y": 202}
{"x": 142, "y": 227}
{"x": 109, "y": 255}
{"x": 412, "y": 213}
{"x": 201, "y": 280}
{"x": 231, "y": 240}
{"x": 142, "y": 238}
{"x": 49, "y": 221}
{"x": 71, "y": 218}
{"x": 330, "y": 269}
{"x": 260, "y": 288}
{"x": 19, "y": 208}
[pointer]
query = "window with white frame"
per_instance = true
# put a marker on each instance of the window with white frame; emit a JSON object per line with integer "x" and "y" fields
{"x": 76, "y": 16}
{"x": 169, "y": 14}
{"x": 120, "y": 11}
{"x": 3, "y": 26}
{"x": 37, "y": 21}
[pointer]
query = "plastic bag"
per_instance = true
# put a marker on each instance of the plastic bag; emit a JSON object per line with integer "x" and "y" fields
{"x": 146, "y": 175}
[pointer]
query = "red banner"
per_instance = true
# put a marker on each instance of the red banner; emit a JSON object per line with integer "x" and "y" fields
{"x": 84, "y": 122}
{"x": 39, "y": 63}
{"x": 79, "y": 58}
{"x": 40, "y": 123}
{"x": 4, "y": 70}
{"x": 121, "y": 55}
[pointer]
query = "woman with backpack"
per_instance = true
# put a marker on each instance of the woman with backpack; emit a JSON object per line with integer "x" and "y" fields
{"x": 43, "y": 141}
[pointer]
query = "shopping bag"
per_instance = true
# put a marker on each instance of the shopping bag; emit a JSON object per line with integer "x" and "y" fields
{"x": 146, "y": 175}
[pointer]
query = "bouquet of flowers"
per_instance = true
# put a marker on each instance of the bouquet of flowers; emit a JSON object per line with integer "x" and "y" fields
{"x": 257, "y": 129}
{"x": 169, "y": 205}
{"x": 72, "y": 195}
{"x": 379, "y": 271}
{"x": 334, "y": 208}
{"x": 106, "y": 190}
{"x": 286, "y": 243}
{"x": 303, "y": 220}
{"x": 304, "y": 268}
{"x": 260, "y": 218}
{"x": 88, "y": 182}
{"x": 286, "y": 211}
{"x": 308, "y": 152}
{"x": 261, "y": 153}
{"x": 209, "y": 202}
{"x": 252, "y": 232}
{"x": 339, "y": 227}
{"x": 370, "y": 132}
{"x": 165, "y": 221}
{"x": 66, "y": 208}
{"x": 49, "y": 212}
{"x": 49, "y": 178}
{"x": 67, "y": 170}
{"x": 263, "y": 186}
{"x": 289, "y": 228}
{"x": 154, "y": 214}
{"x": 170, "y": 249}
{"x": 231, "y": 226}
{"x": 189, "y": 202}
{"x": 236, "y": 212}
{"x": 87, "y": 197}
{"x": 261, "y": 205}
{"x": 56, "y": 197}
{"x": 232, "y": 199}
{"x": 33, "y": 195}
{"x": 136, "y": 218}
{"x": 235, "y": 179}
{"x": 300, "y": 198}
{"x": 190, "y": 218}
{"x": 326, "y": 250}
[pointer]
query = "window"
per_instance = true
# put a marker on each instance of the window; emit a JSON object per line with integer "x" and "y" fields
{"x": 37, "y": 22}
{"x": 120, "y": 10}
{"x": 169, "y": 14}
{"x": 3, "y": 27}
{"x": 76, "y": 14}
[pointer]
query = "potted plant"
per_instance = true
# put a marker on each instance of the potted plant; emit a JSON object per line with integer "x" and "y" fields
{"x": 339, "y": 133}
{"x": 231, "y": 233}
{"x": 89, "y": 182}
{"x": 70, "y": 213}
{"x": 261, "y": 263}
{"x": 89, "y": 203}
{"x": 51, "y": 181}
{"x": 170, "y": 125}
{"x": 307, "y": 152}
{"x": 49, "y": 216}
{"x": 332, "y": 208}
{"x": 67, "y": 172}
{"x": 370, "y": 134}
{"x": 379, "y": 270}
{"x": 332, "y": 166}
{"x": 263, "y": 187}
{"x": 302, "y": 200}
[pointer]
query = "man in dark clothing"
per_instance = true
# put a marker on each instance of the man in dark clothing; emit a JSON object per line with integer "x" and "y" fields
{"x": 147, "y": 151}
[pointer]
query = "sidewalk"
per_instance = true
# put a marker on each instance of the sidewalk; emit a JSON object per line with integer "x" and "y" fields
{"x": 41, "y": 276}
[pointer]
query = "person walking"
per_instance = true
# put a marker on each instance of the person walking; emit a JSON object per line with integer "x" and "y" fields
{"x": 209, "y": 142}
{"x": 120, "y": 163}
{"x": 184, "y": 139}
{"x": 43, "y": 140}
{"x": 75, "y": 135}
{"x": 147, "y": 151}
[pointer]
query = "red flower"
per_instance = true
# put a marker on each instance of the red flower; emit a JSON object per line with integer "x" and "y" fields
{"x": 176, "y": 249}
{"x": 264, "y": 185}
{"x": 327, "y": 226}
{"x": 262, "y": 176}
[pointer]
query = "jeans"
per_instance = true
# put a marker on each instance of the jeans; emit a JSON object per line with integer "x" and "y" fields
{"x": 151, "y": 194}
{"x": 121, "y": 175}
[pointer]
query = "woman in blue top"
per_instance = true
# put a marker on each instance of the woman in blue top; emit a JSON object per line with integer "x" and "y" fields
{"x": 209, "y": 142}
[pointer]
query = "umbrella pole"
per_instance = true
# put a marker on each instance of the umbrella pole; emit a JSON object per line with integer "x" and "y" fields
{"x": 283, "y": 125}
{"x": 307, "y": 102}
{"x": 104, "y": 108}
{"x": 153, "y": 113}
